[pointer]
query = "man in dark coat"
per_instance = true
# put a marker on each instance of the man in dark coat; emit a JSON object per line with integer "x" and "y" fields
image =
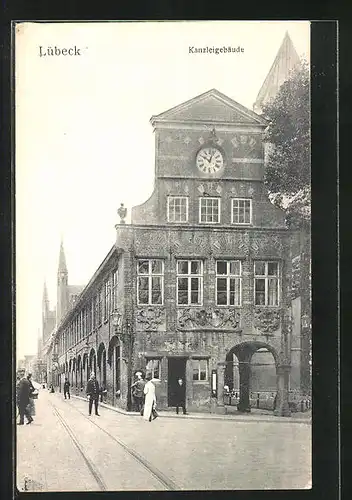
{"x": 67, "y": 388}
{"x": 23, "y": 393}
{"x": 93, "y": 392}
{"x": 180, "y": 396}
{"x": 138, "y": 391}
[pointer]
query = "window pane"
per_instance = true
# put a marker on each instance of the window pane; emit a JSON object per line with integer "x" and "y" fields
{"x": 272, "y": 292}
{"x": 221, "y": 267}
{"x": 182, "y": 290}
{"x": 143, "y": 285}
{"x": 195, "y": 364}
{"x": 194, "y": 284}
{"x": 203, "y": 369}
{"x": 157, "y": 266}
{"x": 182, "y": 267}
{"x": 259, "y": 268}
{"x": 195, "y": 267}
{"x": 195, "y": 297}
{"x": 260, "y": 292}
{"x": 235, "y": 285}
{"x": 143, "y": 266}
{"x": 235, "y": 267}
{"x": 272, "y": 268}
{"x": 156, "y": 291}
{"x": 221, "y": 298}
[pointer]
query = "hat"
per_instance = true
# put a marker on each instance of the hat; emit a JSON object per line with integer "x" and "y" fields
{"x": 92, "y": 374}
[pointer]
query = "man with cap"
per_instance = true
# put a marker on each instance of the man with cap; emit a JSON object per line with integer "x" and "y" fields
{"x": 93, "y": 392}
{"x": 23, "y": 393}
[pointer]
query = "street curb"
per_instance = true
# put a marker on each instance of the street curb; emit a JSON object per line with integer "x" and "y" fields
{"x": 233, "y": 418}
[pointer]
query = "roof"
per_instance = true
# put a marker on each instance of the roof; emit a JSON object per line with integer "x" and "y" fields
{"x": 285, "y": 61}
{"x": 210, "y": 107}
{"x": 75, "y": 289}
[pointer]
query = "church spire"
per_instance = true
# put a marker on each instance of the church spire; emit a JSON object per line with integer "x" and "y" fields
{"x": 45, "y": 294}
{"x": 285, "y": 61}
{"x": 62, "y": 259}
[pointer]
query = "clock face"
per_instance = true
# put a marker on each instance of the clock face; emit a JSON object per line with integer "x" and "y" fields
{"x": 209, "y": 160}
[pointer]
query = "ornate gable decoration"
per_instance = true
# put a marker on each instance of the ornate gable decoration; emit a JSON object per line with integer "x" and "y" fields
{"x": 210, "y": 107}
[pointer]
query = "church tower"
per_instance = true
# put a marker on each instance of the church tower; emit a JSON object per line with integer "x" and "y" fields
{"x": 62, "y": 286}
{"x": 285, "y": 61}
{"x": 45, "y": 311}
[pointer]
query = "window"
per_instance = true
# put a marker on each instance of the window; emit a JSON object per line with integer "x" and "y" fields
{"x": 154, "y": 367}
{"x": 177, "y": 209}
{"x": 266, "y": 283}
{"x": 189, "y": 282}
{"x": 106, "y": 299}
{"x": 209, "y": 210}
{"x": 200, "y": 369}
{"x": 150, "y": 284}
{"x": 228, "y": 283}
{"x": 241, "y": 211}
{"x": 114, "y": 290}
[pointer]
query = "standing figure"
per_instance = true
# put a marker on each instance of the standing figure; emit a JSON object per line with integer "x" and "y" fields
{"x": 93, "y": 392}
{"x": 150, "y": 399}
{"x": 24, "y": 390}
{"x": 180, "y": 395}
{"x": 67, "y": 388}
{"x": 31, "y": 395}
{"x": 138, "y": 391}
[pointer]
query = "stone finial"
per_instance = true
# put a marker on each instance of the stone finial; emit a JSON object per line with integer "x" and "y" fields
{"x": 122, "y": 212}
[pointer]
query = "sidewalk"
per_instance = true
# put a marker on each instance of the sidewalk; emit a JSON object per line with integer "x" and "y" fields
{"x": 255, "y": 415}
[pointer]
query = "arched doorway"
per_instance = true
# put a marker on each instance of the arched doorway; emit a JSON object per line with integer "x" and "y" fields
{"x": 102, "y": 365}
{"x": 74, "y": 373}
{"x": 113, "y": 359}
{"x": 79, "y": 372}
{"x": 92, "y": 361}
{"x": 85, "y": 370}
{"x": 244, "y": 370}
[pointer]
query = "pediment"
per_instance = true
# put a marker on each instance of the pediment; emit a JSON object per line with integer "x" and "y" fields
{"x": 212, "y": 106}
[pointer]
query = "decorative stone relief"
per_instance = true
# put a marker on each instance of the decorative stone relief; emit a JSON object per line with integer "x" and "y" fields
{"x": 201, "y": 140}
{"x": 207, "y": 318}
{"x": 187, "y": 140}
{"x": 201, "y": 188}
{"x": 168, "y": 139}
{"x": 220, "y": 142}
{"x": 266, "y": 320}
{"x": 150, "y": 318}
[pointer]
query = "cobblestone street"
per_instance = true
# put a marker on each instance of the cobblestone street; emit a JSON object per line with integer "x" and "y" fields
{"x": 66, "y": 450}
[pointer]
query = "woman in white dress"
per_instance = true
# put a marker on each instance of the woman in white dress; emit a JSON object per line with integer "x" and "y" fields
{"x": 150, "y": 399}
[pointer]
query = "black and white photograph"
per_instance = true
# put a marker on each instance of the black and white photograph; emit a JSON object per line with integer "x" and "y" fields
{"x": 163, "y": 256}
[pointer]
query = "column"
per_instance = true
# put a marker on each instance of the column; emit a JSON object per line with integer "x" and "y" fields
{"x": 220, "y": 389}
{"x": 245, "y": 374}
{"x": 282, "y": 406}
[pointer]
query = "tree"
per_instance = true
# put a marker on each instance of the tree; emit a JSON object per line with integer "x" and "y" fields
{"x": 287, "y": 174}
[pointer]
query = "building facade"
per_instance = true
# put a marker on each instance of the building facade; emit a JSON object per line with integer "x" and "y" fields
{"x": 198, "y": 285}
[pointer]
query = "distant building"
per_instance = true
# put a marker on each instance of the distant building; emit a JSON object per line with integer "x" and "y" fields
{"x": 285, "y": 61}
{"x": 66, "y": 296}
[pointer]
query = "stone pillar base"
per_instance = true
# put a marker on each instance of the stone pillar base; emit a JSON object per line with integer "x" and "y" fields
{"x": 284, "y": 412}
{"x": 221, "y": 410}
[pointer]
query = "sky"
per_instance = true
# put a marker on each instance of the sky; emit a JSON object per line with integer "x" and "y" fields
{"x": 84, "y": 143}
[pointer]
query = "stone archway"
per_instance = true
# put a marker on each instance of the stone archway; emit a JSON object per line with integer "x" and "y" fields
{"x": 114, "y": 363}
{"x": 102, "y": 365}
{"x": 92, "y": 361}
{"x": 243, "y": 353}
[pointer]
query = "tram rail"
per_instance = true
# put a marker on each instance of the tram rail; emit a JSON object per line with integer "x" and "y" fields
{"x": 166, "y": 482}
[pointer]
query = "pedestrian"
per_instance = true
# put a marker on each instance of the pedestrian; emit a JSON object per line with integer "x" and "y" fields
{"x": 32, "y": 394}
{"x": 149, "y": 411}
{"x": 180, "y": 395}
{"x": 138, "y": 391}
{"x": 67, "y": 388}
{"x": 93, "y": 392}
{"x": 24, "y": 390}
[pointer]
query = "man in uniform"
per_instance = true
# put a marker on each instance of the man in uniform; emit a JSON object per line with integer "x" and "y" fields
{"x": 93, "y": 392}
